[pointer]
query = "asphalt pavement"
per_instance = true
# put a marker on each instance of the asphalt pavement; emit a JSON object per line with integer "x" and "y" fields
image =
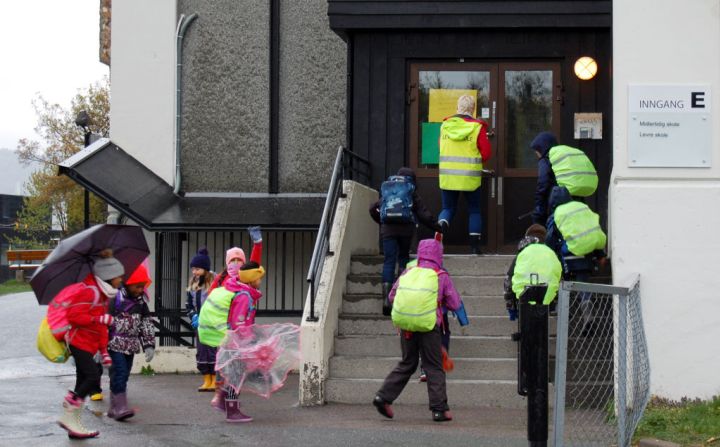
{"x": 170, "y": 412}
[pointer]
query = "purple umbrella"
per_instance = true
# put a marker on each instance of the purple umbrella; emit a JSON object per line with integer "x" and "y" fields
{"x": 72, "y": 259}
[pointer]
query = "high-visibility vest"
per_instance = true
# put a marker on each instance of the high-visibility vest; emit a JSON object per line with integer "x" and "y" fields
{"x": 573, "y": 170}
{"x": 212, "y": 323}
{"x": 537, "y": 264}
{"x": 580, "y": 227}
{"x": 460, "y": 161}
{"x": 416, "y": 300}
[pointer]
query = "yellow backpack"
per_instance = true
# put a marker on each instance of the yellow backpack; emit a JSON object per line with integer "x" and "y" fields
{"x": 52, "y": 349}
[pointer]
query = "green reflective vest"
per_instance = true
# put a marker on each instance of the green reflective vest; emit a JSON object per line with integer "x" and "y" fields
{"x": 416, "y": 300}
{"x": 573, "y": 170}
{"x": 580, "y": 227}
{"x": 537, "y": 264}
{"x": 460, "y": 161}
{"x": 212, "y": 323}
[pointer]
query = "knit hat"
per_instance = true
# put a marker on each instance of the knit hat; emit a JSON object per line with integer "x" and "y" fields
{"x": 538, "y": 231}
{"x": 139, "y": 276}
{"x": 106, "y": 267}
{"x": 250, "y": 273}
{"x": 234, "y": 253}
{"x": 201, "y": 260}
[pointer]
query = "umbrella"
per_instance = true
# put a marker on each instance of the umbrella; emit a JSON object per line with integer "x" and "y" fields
{"x": 72, "y": 259}
{"x": 259, "y": 358}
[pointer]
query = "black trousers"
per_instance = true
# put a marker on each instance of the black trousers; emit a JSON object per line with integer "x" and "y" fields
{"x": 87, "y": 377}
{"x": 427, "y": 345}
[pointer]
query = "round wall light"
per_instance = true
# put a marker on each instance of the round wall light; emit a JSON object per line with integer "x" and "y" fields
{"x": 585, "y": 68}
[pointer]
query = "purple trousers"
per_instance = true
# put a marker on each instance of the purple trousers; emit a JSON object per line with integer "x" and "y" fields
{"x": 205, "y": 358}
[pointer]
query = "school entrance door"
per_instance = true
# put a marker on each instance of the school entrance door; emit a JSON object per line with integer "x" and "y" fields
{"x": 517, "y": 100}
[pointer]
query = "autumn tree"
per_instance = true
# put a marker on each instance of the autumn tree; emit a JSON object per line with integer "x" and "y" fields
{"x": 56, "y": 199}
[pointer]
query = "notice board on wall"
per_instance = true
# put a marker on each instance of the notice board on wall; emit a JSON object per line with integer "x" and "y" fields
{"x": 669, "y": 126}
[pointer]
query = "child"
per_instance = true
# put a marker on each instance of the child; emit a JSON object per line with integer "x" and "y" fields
{"x": 88, "y": 335}
{"x": 236, "y": 256}
{"x": 534, "y": 259}
{"x": 417, "y": 311}
{"x": 197, "y": 291}
{"x": 131, "y": 332}
{"x": 396, "y": 236}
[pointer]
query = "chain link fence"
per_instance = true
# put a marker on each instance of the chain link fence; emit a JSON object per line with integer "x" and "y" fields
{"x": 602, "y": 373}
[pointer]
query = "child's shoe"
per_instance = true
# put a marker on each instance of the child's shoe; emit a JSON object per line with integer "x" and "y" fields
{"x": 383, "y": 407}
{"x": 442, "y": 416}
{"x": 423, "y": 376}
{"x": 218, "y": 402}
{"x": 233, "y": 413}
{"x": 207, "y": 383}
{"x": 97, "y": 397}
{"x": 70, "y": 419}
{"x": 118, "y": 407}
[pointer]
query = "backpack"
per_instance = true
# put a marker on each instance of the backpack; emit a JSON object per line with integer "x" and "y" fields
{"x": 573, "y": 170}
{"x": 57, "y": 309}
{"x": 396, "y": 200}
{"x": 52, "y": 349}
{"x": 416, "y": 300}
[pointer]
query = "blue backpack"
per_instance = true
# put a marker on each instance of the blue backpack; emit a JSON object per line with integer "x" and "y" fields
{"x": 396, "y": 200}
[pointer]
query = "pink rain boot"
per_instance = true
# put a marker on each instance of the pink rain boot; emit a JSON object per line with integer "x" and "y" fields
{"x": 218, "y": 401}
{"x": 70, "y": 419}
{"x": 118, "y": 407}
{"x": 233, "y": 413}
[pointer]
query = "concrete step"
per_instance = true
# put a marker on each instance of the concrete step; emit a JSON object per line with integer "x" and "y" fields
{"x": 469, "y": 368}
{"x": 460, "y": 346}
{"x": 466, "y": 285}
{"x": 371, "y": 304}
{"x": 468, "y": 265}
{"x": 364, "y": 324}
{"x": 461, "y": 393}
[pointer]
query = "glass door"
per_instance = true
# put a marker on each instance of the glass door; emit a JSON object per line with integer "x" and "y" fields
{"x": 517, "y": 100}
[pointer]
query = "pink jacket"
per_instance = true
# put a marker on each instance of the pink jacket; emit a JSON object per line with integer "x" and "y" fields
{"x": 430, "y": 255}
{"x": 244, "y": 306}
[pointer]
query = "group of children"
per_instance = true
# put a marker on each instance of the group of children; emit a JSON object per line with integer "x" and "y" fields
{"x": 110, "y": 323}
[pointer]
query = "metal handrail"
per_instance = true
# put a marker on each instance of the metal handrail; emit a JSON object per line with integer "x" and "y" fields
{"x": 322, "y": 243}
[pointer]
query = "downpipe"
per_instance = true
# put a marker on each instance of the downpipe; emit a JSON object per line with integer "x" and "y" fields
{"x": 182, "y": 27}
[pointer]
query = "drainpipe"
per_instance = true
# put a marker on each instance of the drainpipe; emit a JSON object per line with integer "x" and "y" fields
{"x": 183, "y": 25}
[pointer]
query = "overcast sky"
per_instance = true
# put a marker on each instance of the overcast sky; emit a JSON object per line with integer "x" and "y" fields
{"x": 48, "y": 47}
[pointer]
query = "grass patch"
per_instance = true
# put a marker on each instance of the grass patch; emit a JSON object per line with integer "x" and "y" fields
{"x": 147, "y": 371}
{"x": 13, "y": 286}
{"x": 688, "y": 422}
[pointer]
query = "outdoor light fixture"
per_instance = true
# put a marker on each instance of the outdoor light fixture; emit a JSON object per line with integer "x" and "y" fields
{"x": 585, "y": 68}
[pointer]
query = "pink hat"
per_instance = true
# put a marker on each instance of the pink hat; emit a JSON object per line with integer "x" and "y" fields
{"x": 235, "y": 253}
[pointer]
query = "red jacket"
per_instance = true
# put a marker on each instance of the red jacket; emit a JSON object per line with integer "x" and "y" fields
{"x": 85, "y": 333}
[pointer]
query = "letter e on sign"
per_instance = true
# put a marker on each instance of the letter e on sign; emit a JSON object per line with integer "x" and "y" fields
{"x": 697, "y": 100}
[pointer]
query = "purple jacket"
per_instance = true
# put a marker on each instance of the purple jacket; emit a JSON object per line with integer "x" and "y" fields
{"x": 429, "y": 255}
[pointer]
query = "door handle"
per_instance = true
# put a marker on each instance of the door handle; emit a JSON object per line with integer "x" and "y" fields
{"x": 500, "y": 191}
{"x": 491, "y": 133}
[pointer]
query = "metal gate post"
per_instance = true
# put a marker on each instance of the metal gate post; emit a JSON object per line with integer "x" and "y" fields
{"x": 622, "y": 368}
{"x": 561, "y": 342}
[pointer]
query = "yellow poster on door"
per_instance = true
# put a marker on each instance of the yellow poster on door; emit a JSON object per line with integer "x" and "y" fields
{"x": 443, "y": 103}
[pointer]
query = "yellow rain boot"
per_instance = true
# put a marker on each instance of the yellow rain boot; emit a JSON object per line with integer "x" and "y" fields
{"x": 207, "y": 380}
{"x": 96, "y": 397}
{"x": 213, "y": 384}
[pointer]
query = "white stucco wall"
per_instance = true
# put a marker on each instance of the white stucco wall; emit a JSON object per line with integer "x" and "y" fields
{"x": 142, "y": 76}
{"x": 665, "y": 221}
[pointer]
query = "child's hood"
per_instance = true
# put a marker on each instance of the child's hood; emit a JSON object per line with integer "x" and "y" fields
{"x": 237, "y": 286}
{"x": 430, "y": 250}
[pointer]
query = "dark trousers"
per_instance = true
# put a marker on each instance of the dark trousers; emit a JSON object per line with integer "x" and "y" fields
{"x": 86, "y": 372}
{"x": 205, "y": 358}
{"x": 120, "y": 371}
{"x": 427, "y": 345}
{"x": 397, "y": 251}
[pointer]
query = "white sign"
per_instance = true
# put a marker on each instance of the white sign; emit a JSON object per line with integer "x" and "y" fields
{"x": 588, "y": 126}
{"x": 670, "y": 126}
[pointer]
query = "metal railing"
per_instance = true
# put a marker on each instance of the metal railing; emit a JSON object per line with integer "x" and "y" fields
{"x": 347, "y": 165}
{"x": 602, "y": 373}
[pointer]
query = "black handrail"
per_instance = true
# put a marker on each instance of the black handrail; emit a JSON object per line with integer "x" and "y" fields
{"x": 344, "y": 168}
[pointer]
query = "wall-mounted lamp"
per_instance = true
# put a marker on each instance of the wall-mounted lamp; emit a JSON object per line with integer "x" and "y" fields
{"x": 585, "y": 68}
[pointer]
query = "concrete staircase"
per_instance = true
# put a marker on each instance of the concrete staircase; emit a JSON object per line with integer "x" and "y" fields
{"x": 367, "y": 346}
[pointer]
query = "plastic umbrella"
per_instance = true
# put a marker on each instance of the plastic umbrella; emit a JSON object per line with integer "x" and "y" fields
{"x": 72, "y": 259}
{"x": 258, "y": 358}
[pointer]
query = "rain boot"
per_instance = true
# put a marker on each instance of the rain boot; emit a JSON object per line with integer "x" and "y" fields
{"x": 207, "y": 380}
{"x": 218, "y": 402}
{"x": 213, "y": 383}
{"x": 475, "y": 244}
{"x": 70, "y": 419}
{"x": 233, "y": 413}
{"x": 118, "y": 407}
{"x": 387, "y": 307}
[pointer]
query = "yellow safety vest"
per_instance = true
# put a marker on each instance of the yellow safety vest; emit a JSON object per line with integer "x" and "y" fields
{"x": 416, "y": 300}
{"x": 460, "y": 162}
{"x": 573, "y": 170}
{"x": 580, "y": 227}
{"x": 537, "y": 260}
{"x": 212, "y": 322}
